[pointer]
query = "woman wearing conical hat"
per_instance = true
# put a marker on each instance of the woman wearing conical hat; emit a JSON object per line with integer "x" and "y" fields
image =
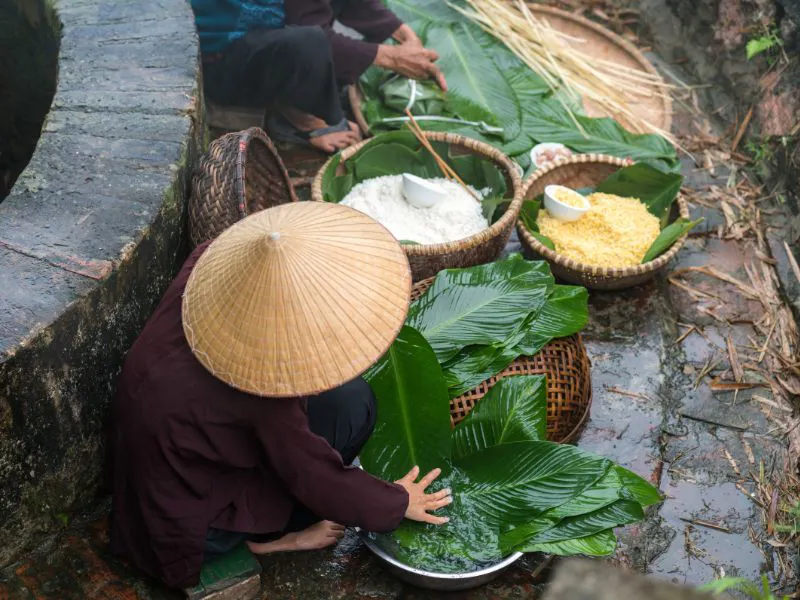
{"x": 239, "y": 408}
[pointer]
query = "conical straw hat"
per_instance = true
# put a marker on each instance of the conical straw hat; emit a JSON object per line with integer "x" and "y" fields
{"x": 297, "y": 299}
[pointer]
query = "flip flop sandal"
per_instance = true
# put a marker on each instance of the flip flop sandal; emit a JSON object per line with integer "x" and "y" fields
{"x": 280, "y": 129}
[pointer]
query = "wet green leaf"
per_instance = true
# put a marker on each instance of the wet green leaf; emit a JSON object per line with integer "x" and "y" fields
{"x": 668, "y": 236}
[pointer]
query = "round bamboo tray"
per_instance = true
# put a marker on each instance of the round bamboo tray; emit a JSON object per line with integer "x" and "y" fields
{"x": 589, "y": 38}
{"x": 588, "y": 170}
{"x": 483, "y": 247}
{"x": 569, "y": 386}
{"x": 240, "y": 174}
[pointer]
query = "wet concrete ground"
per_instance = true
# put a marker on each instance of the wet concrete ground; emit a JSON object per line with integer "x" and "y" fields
{"x": 652, "y": 412}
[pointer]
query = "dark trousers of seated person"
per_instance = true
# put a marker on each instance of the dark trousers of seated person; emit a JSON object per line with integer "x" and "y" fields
{"x": 345, "y": 417}
{"x": 290, "y": 67}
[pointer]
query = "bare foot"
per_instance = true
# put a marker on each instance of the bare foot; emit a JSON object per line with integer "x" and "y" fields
{"x": 329, "y": 143}
{"x": 319, "y": 535}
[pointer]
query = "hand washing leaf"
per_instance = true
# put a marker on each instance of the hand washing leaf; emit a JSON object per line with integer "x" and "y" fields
{"x": 565, "y": 313}
{"x": 414, "y": 424}
{"x": 452, "y": 317}
{"x": 600, "y": 544}
{"x": 657, "y": 190}
{"x": 514, "y": 410}
{"x": 513, "y": 483}
{"x": 668, "y": 236}
{"x": 526, "y": 537}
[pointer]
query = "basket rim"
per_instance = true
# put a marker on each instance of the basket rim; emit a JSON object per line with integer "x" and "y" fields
{"x": 246, "y": 139}
{"x": 356, "y": 95}
{"x": 497, "y": 228}
{"x": 573, "y": 265}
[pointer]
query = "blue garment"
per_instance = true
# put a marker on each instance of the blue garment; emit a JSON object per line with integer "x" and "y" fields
{"x": 220, "y": 22}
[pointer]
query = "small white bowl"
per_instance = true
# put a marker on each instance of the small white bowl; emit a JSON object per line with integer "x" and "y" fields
{"x": 561, "y": 211}
{"x": 539, "y": 148}
{"x": 420, "y": 192}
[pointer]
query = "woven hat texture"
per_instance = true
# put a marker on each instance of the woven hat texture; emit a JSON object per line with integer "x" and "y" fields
{"x": 296, "y": 299}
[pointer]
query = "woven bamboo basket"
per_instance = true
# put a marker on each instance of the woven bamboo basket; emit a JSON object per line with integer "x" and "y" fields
{"x": 569, "y": 386}
{"x": 483, "y": 247}
{"x": 589, "y": 38}
{"x": 240, "y": 174}
{"x": 588, "y": 170}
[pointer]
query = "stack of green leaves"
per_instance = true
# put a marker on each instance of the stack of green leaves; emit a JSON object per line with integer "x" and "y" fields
{"x": 489, "y": 84}
{"x": 399, "y": 152}
{"x": 513, "y": 491}
{"x": 479, "y": 319}
{"x": 655, "y": 189}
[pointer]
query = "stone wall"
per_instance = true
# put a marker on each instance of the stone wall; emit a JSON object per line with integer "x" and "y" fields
{"x": 90, "y": 235}
{"x": 29, "y": 37}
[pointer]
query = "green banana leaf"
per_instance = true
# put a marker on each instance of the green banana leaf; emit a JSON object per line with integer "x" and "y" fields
{"x": 514, "y": 410}
{"x": 668, "y": 236}
{"x": 428, "y": 98}
{"x": 525, "y": 537}
{"x": 419, "y": 14}
{"x": 617, "y": 484}
{"x": 547, "y": 121}
{"x": 475, "y": 364}
{"x": 513, "y": 483}
{"x": 657, "y": 190}
{"x": 473, "y": 75}
{"x": 600, "y": 544}
{"x": 565, "y": 313}
{"x": 452, "y": 317}
{"x": 528, "y": 214}
{"x": 414, "y": 424}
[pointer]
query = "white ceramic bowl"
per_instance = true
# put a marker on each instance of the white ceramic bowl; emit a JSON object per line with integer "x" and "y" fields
{"x": 420, "y": 192}
{"x": 561, "y": 211}
{"x": 538, "y": 149}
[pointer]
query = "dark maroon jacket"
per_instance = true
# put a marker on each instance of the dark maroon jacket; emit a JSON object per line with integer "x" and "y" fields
{"x": 370, "y": 18}
{"x": 190, "y": 453}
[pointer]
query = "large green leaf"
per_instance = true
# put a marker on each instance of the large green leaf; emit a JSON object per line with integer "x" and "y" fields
{"x": 565, "y": 313}
{"x": 657, "y": 190}
{"x": 668, "y": 236}
{"x": 454, "y": 316}
{"x": 514, "y": 410}
{"x": 516, "y": 482}
{"x": 600, "y": 544}
{"x": 617, "y": 484}
{"x": 547, "y": 121}
{"x": 414, "y": 424}
{"x": 524, "y": 537}
{"x": 471, "y": 74}
{"x": 475, "y": 364}
{"x": 421, "y": 13}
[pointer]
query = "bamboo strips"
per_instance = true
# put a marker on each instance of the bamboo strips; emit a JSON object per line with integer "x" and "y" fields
{"x": 557, "y": 58}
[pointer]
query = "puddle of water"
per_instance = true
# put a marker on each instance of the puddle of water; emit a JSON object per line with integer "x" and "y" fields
{"x": 698, "y": 554}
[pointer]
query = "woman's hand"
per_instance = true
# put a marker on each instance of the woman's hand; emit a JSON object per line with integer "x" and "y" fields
{"x": 412, "y": 61}
{"x": 406, "y": 35}
{"x": 420, "y": 503}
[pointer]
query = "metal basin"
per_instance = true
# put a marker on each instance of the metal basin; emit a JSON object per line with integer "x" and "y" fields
{"x": 446, "y": 582}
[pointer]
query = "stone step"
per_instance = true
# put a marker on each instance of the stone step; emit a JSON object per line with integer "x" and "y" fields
{"x": 232, "y": 576}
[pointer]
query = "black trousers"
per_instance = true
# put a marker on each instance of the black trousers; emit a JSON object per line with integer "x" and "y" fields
{"x": 345, "y": 417}
{"x": 290, "y": 67}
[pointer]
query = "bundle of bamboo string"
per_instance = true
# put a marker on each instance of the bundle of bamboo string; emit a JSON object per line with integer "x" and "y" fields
{"x": 553, "y": 56}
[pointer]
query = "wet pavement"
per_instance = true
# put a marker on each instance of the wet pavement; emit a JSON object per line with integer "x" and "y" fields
{"x": 655, "y": 352}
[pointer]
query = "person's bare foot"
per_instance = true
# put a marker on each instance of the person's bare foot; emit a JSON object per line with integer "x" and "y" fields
{"x": 329, "y": 143}
{"x": 318, "y": 536}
